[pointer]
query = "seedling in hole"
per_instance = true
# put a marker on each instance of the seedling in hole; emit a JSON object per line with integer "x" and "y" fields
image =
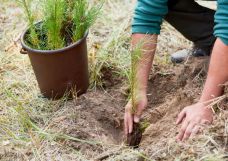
{"x": 134, "y": 138}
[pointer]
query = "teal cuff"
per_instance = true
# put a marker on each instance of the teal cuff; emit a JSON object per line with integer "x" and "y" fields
{"x": 148, "y": 16}
{"x": 224, "y": 40}
{"x": 145, "y": 29}
{"x": 221, "y": 21}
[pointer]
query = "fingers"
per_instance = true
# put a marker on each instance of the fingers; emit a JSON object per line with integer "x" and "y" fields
{"x": 189, "y": 131}
{"x": 136, "y": 119}
{"x": 205, "y": 122}
{"x": 128, "y": 121}
{"x": 128, "y": 124}
{"x": 181, "y": 116}
{"x": 182, "y": 130}
{"x": 129, "y": 118}
{"x": 199, "y": 127}
{"x": 140, "y": 107}
{"x": 125, "y": 124}
{"x": 195, "y": 130}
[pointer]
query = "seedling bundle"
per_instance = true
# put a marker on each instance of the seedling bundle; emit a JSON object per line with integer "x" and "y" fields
{"x": 63, "y": 22}
{"x": 56, "y": 45}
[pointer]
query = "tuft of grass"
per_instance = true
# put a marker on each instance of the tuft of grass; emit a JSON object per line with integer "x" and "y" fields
{"x": 28, "y": 126}
{"x": 114, "y": 53}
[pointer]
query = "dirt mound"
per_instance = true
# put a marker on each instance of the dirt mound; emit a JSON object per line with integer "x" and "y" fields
{"x": 180, "y": 86}
{"x": 171, "y": 94}
{"x": 99, "y": 114}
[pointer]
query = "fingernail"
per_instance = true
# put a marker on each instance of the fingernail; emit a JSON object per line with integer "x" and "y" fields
{"x": 136, "y": 119}
{"x": 177, "y": 122}
{"x": 178, "y": 139}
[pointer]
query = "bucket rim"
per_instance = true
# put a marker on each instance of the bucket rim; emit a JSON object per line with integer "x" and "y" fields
{"x": 26, "y": 47}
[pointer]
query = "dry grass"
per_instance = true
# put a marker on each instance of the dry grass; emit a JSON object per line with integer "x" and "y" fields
{"x": 27, "y": 119}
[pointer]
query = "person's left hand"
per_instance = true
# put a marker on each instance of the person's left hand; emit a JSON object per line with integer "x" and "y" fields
{"x": 191, "y": 118}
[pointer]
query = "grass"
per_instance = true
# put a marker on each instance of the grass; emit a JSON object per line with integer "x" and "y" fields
{"x": 28, "y": 126}
{"x": 28, "y": 121}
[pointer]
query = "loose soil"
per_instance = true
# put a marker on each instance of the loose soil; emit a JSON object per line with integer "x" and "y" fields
{"x": 98, "y": 115}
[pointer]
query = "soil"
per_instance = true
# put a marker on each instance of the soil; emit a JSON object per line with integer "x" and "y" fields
{"x": 95, "y": 116}
{"x": 134, "y": 138}
{"x": 98, "y": 115}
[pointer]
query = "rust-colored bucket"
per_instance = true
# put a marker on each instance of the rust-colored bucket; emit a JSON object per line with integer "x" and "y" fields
{"x": 60, "y": 72}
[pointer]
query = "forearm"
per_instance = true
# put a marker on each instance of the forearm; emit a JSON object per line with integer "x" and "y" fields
{"x": 144, "y": 65}
{"x": 218, "y": 73}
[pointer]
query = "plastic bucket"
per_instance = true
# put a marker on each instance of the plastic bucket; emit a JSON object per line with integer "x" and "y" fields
{"x": 62, "y": 71}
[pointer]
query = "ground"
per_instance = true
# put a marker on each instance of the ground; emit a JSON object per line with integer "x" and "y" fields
{"x": 90, "y": 127}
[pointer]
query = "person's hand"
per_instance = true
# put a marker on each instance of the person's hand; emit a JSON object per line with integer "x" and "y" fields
{"x": 129, "y": 117}
{"x": 191, "y": 118}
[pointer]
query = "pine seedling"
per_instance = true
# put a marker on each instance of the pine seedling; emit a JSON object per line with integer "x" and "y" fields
{"x": 69, "y": 9}
{"x": 136, "y": 56}
{"x": 64, "y": 22}
{"x": 136, "y": 59}
{"x": 134, "y": 138}
{"x": 54, "y": 16}
{"x": 32, "y": 36}
{"x": 83, "y": 18}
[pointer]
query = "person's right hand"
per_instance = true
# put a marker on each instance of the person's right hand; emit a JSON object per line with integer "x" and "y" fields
{"x": 130, "y": 117}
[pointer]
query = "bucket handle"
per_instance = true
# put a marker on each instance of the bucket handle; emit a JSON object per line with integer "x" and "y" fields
{"x": 23, "y": 51}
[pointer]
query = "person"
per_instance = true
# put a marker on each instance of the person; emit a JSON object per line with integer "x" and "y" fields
{"x": 196, "y": 23}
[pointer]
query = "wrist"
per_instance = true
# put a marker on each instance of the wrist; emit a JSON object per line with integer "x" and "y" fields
{"x": 206, "y": 101}
{"x": 141, "y": 91}
{"x": 205, "y": 104}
